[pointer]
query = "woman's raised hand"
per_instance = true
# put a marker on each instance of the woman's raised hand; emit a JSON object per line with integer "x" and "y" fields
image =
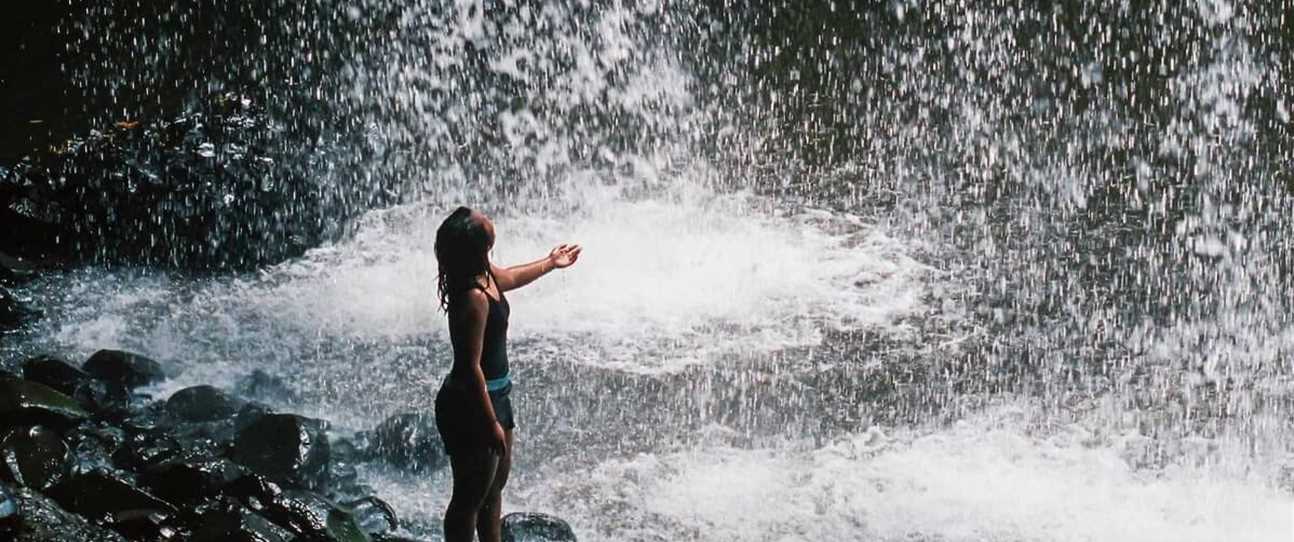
{"x": 564, "y": 255}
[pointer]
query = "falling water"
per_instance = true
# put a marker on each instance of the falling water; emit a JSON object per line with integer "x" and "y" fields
{"x": 925, "y": 271}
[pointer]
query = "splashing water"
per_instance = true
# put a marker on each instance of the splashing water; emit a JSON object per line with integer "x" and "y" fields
{"x": 927, "y": 271}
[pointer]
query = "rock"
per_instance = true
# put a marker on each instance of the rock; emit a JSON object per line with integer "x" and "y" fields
{"x": 249, "y": 414}
{"x": 35, "y": 457}
{"x": 187, "y": 483}
{"x": 15, "y": 271}
{"x": 144, "y": 450}
{"x": 533, "y": 527}
{"x": 202, "y": 404}
{"x": 285, "y": 448}
{"x": 94, "y": 395}
{"x": 55, "y": 373}
{"x": 14, "y": 312}
{"x": 314, "y": 517}
{"x": 9, "y": 508}
{"x": 373, "y": 515}
{"x": 92, "y": 447}
{"x": 263, "y": 386}
{"x": 97, "y": 494}
{"x": 146, "y": 524}
{"x": 43, "y": 520}
{"x": 254, "y": 491}
{"x": 235, "y": 523}
{"x": 409, "y": 441}
{"x": 24, "y": 402}
{"x": 387, "y": 537}
{"x": 223, "y": 184}
{"x": 130, "y": 369}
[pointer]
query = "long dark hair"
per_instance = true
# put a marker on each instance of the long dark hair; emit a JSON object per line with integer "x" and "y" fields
{"x": 462, "y": 253}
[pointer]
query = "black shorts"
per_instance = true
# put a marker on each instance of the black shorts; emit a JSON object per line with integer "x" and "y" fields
{"x": 462, "y": 424}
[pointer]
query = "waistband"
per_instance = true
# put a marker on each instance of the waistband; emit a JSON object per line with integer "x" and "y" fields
{"x": 497, "y": 384}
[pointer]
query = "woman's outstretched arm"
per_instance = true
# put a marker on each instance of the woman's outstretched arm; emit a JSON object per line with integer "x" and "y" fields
{"x": 511, "y": 278}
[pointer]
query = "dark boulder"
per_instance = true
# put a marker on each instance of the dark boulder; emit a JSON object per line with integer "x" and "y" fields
{"x": 206, "y": 183}
{"x": 43, "y": 520}
{"x": 9, "y": 508}
{"x": 130, "y": 369}
{"x": 286, "y": 448}
{"x": 202, "y": 404}
{"x": 314, "y": 517}
{"x": 187, "y": 483}
{"x": 35, "y": 457}
{"x": 533, "y": 527}
{"x": 232, "y": 522}
{"x": 143, "y": 450}
{"x": 55, "y": 373}
{"x": 94, "y": 395}
{"x": 263, "y": 386}
{"x": 145, "y": 524}
{"x": 254, "y": 491}
{"x": 24, "y": 402}
{"x": 92, "y": 447}
{"x": 14, "y": 311}
{"x": 99, "y": 493}
{"x": 250, "y": 413}
{"x": 410, "y": 442}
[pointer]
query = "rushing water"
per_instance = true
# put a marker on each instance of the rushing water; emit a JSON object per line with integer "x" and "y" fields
{"x": 927, "y": 271}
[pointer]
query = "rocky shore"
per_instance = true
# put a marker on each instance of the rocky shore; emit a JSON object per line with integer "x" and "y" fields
{"x": 85, "y": 456}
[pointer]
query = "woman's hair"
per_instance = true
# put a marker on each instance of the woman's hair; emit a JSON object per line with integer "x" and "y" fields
{"x": 462, "y": 253}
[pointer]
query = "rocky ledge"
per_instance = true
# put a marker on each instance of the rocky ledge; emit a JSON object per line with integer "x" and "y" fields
{"x": 85, "y": 457}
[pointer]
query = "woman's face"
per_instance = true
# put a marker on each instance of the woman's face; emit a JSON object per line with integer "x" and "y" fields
{"x": 485, "y": 222}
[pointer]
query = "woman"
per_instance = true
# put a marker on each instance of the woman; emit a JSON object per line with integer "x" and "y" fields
{"x": 473, "y": 409}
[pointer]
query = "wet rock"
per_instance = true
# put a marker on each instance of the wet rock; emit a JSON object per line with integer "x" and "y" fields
{"x": 14, "y": 312}
{"x": 98, "y": 494}
{"x": 202, "y": 404}
{"x": 146, "y": 524}
{"x": 189, "y": 482}
{"x": 410, "y": 442}
{"x": 387, "y": 537}
{"x": 144, "y": 450}
{"x": 15, "y": 271}
{"x": 9, "y": 508}
{"x": 130, "y": 369}
{"x": 253, "y": 490}
{"x": 235, "y": 523}
{"x": 285, "y": 448}
{"x": 55, "y": 373}
{"x": 35, "y": 457}
{"x": 249, "y": 414}
{"x": 534, "y": 527}
{"x": 92, "y": 447}
{"x": 43, "y": 520}
{"x": 94, "y": 395}
{"x": 263, "y": 386}
{"x": 206, "y": 179}
{"x": 373, "y": 515}
{"x": 23, "y": 402}
{"x": 314, "y": 517}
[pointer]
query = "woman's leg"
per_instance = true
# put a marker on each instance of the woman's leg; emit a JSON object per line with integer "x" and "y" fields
{"x": 473, "y": 479}
{"x": 489, "y": 524}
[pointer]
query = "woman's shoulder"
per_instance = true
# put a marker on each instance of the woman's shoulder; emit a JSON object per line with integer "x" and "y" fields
{"x": 469, "y": 300}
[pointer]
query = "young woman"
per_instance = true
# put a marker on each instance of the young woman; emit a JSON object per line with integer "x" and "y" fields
{"x": 473, "y": 409}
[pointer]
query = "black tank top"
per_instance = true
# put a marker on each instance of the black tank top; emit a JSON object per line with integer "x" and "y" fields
{"x": 494, "y": 350}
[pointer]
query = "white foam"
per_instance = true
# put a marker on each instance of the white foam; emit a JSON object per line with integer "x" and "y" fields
{"x": 982, "y": 479}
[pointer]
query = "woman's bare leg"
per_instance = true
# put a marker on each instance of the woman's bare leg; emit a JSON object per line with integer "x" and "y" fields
{"x": 473, "y": 481}
{"x": 489, "y": 525}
